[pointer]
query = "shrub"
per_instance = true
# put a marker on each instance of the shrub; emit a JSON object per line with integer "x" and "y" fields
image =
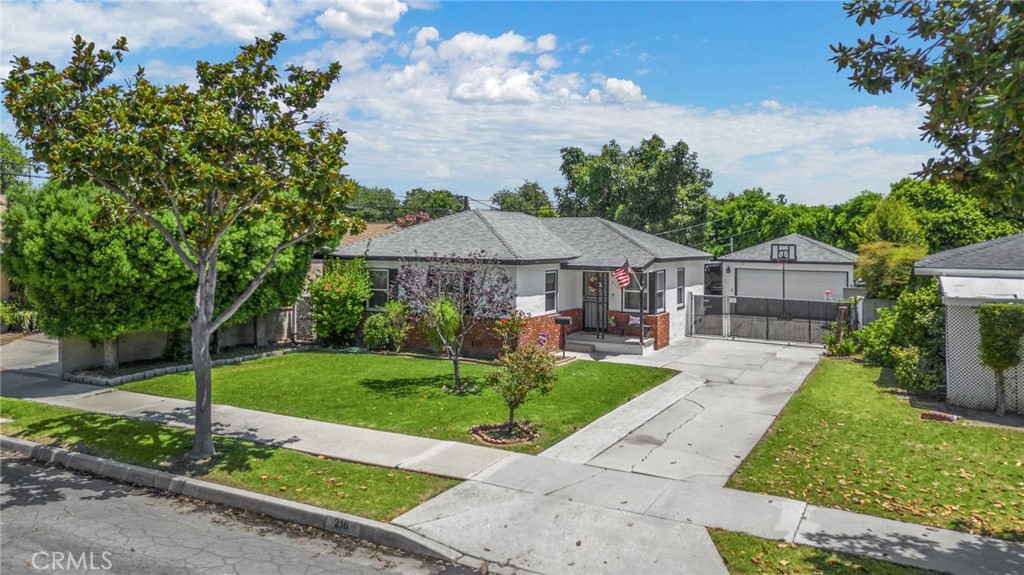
{"x": 525, "y": 369}
{"x": 841, "y": 347}
{"x": 875, "y": 340}
{"x": 339, "y": 300}
{"x": 1001, "y": 327}
{"x": 389, "y": 328}
{"x": 17, "y": 316}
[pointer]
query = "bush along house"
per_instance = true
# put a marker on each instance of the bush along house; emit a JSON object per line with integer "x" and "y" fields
{"x": 562, "y": 267}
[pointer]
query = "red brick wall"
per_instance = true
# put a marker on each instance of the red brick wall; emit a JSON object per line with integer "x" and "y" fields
{"x": 481, "y": 341}
{"x": 545, "y": 324}
{"x": 659, "y": 325}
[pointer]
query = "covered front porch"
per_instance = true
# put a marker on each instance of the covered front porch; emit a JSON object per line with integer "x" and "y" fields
{"x": 592, "y": 342}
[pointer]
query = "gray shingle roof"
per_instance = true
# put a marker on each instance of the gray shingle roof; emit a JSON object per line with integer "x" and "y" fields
{"x": 591, "y": 243}
{"x": 807, "y": 251}
{"x": 1001, "y": 254}
{"x": 506, "y": 236}
{"x": 605, "y": 244}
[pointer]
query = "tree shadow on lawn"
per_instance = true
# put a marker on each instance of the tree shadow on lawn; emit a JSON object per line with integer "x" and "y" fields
{"x": 146, "y": 444}
{"x": 933, "y": 401}
{"x": 409, "y": 386}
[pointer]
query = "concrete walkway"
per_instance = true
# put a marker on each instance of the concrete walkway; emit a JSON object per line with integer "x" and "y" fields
{"x": 630, "y": 493}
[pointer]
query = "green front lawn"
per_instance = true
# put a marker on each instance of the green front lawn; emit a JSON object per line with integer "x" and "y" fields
{"x": 404, "y": 395}
{"x": 375, "y": 492}
{"x": 745, "y": 554}
{"x": 849, "y": 440}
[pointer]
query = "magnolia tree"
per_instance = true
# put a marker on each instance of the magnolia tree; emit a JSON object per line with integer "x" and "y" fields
{"x": 454, "y": 294}
{"x": 243, "y": 144}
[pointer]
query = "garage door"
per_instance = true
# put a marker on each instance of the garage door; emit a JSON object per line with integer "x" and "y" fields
{"x": 799, "y": 284}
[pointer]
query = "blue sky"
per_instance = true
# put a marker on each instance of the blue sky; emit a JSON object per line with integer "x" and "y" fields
{"x": 479, "y": 96}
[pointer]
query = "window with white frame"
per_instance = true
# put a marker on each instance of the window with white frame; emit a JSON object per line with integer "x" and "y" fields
{"x": 631, "y": 297}
{"x": 680, "y": 288}
{"x": 653, "y": 299}
{"x": 658, "y": 300}
{"x": 379, "y": 289}
{"x": 550, "y": 290}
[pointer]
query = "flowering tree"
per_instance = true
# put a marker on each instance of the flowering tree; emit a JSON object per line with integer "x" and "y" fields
{"x": 409, "y": 220}
{"x": 477, "y": 288}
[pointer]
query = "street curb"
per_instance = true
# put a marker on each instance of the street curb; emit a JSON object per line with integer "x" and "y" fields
{"x": 359, "y": 527}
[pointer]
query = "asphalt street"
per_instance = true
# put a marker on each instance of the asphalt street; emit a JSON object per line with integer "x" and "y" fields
{"x": 55, "y": 521}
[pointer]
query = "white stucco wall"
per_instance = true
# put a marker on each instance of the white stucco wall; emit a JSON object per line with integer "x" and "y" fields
{"x": 530, "y": 287}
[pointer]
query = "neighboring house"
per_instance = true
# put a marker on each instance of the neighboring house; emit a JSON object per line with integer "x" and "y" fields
{"x": 969, "y": 276}
{"x": 792, "y": 267}
{"x": 561, "y": 266}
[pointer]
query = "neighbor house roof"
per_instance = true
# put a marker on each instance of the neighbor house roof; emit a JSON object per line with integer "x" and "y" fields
{"x": 509, "y": 237}
{"x": 373, "y": 229}
{"x": 973, "y": 290}
{"x": 807, "y": 251}
{"x": 1001, "y": 257}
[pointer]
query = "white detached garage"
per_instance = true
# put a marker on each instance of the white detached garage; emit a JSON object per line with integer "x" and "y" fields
{"x": 792, "y": 267}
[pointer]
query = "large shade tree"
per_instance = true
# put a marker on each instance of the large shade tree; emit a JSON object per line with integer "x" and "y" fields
{"x": 963, "y": 60}
{"x": 245, "y": 143}
{"x": 652, "y": 187}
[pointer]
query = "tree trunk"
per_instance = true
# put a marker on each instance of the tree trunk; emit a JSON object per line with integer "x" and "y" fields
{"x": 202, "y": 364}
{"x": 511, "y": 418}
{"x": 1000, "y": 393}
{"x": 110, "y": 354}
{"x": 202, "y": 368}
{"x": 458, "y": 377}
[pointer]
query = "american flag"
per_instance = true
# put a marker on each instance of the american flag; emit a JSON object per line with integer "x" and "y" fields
{"x": 622, "y": 275}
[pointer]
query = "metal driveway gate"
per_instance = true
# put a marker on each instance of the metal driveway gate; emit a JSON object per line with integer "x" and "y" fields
{"x": 803, "y": 321}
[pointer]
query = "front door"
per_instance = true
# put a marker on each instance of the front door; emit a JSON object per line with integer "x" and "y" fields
{"x": 595, "y": 301}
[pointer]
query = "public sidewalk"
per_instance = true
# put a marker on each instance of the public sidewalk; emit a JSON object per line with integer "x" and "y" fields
{"x": 632, "y": 492}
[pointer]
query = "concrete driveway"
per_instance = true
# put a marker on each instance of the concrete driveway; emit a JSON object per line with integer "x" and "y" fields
{"x": 700, "y": 425}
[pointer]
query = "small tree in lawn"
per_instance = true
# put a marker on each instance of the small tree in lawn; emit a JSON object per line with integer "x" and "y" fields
{"x": 1002, "y": 330}
{"x": 475, "y": 288}
{"x": 526, "y": 368}
{"x": 241, "y": 145}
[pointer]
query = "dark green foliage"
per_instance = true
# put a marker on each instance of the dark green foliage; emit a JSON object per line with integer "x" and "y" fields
{"x": 91, "y": 281}
{"x": 436, "y": 203}
{"x": 963, "y": 61}
{"x": 1002, "y": 327}
{"x": 875, "y": 339}
{"x": 339, "y": 300}
{"x": 950, "y": 219}
{"x": 1002, "y": 330}
{"x": 650, "y": 187}
{"x": 389, "y": 328}
{"x": 376, "y": 204}
{"x": 891, "y": 221}
{"x": 528, "y": 198}
{"x": 910, "y": 337}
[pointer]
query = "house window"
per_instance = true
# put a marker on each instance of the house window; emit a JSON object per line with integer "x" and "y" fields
{"x": 680, "y": 288}
{"x": 631, "y": 298}
{"x": 379, "y": 290}
{"x": 658, "y": 303}
{"x": 631, "y": 293}
{"x": 550, "y": 290}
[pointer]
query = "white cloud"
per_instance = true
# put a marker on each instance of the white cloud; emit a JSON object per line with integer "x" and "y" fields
{"x": 426, "y": 35}
{"x": 619, "y": 90}
{"x": 547, "y": 42}
{"x": 547, "y": 62}
{"x": 362, "y": 18}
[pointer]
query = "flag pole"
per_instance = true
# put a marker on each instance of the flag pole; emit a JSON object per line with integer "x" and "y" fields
{"x": 642, "y": 301}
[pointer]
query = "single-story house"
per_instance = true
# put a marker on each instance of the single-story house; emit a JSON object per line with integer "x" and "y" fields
{"x": 969, "y": 276}
{"x": 561, "y": 267}
{"x": 793, "y": 267}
